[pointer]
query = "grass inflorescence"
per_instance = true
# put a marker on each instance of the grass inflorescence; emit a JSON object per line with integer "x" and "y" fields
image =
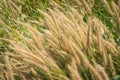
{"x": 59, "y": 40}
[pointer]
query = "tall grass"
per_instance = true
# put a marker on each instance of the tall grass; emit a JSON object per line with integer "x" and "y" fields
{"x": 67, "y": 47}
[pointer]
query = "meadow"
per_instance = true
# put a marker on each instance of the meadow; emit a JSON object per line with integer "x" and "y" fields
{"x": 60, "y": 40}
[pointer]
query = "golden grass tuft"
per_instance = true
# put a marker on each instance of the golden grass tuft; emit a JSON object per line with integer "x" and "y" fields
{"x": 67, "y": 49}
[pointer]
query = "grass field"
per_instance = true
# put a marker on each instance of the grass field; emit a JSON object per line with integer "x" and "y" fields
{"x": 59, "y": 39}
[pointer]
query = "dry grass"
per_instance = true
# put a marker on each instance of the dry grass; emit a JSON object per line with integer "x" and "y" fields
{"x": 67, "y": 49}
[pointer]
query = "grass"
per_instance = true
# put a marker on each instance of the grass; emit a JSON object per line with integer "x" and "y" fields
{"x": 43, "y": 40}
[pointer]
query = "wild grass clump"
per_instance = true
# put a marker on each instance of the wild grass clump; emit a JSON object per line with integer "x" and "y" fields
{"x": 67, "y": 47}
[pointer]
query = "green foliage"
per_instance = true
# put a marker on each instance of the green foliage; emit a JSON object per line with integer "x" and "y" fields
{"x": 100, "y": 11}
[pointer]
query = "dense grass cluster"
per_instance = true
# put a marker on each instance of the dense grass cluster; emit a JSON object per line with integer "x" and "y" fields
{"x": 59, "y": 40}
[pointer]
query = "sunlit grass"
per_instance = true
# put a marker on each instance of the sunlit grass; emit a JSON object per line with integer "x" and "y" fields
{"x": 59, "y": 40}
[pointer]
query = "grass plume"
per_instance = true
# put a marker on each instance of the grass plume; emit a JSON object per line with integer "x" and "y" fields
{"x": 65, "y": 47}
